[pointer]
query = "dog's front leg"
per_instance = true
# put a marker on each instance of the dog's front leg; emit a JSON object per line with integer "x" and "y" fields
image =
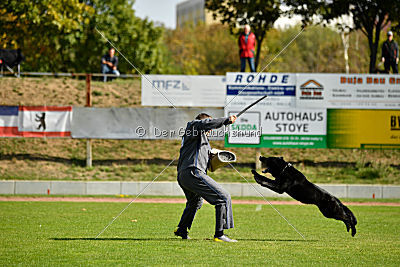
{"x": 268, "y": 183}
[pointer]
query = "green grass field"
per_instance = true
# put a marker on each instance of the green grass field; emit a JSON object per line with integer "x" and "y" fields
{"x": 55, "y": 233}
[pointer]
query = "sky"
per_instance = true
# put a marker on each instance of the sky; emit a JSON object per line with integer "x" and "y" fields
{"x": 164, "y": 11}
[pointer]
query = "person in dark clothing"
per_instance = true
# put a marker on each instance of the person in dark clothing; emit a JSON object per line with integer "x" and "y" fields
{"x": 109, "y": 63}
{"x": 247, "y": 43}
{"x": 10, "y": 58}
{"x": 196, "y": 184}
{"x": 390, "y": 54}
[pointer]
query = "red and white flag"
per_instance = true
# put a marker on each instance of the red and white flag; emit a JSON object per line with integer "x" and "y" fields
{"x": 43, "y": 121}
{"x": 9, "y": 121}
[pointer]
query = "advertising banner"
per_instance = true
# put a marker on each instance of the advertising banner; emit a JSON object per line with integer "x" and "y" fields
{"x": 183, "y": 90}
{"x": 348, "y": 91}
{"x": 243, "y": 88}
{"x": 136, "y": 123}
{"x": 278, "y": 127}
{"x": 275, "y": 121}
{"x": 352, "y": 128}
{"x": 308, "y": 110}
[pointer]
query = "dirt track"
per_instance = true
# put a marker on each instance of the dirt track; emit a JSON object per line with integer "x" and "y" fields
{"x": 173, "y": 200}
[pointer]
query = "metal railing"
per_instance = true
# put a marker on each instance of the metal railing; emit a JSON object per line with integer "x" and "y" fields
{"x": 68, "y": 74}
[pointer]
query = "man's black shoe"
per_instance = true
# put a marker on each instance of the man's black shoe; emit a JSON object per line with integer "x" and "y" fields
{"x": 181, "y": 233}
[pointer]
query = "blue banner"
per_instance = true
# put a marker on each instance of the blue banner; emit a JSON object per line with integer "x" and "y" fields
{"x": 259, "y": 90}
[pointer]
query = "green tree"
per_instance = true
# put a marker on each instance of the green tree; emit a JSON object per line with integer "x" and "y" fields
{"x": 260, "y": 15}
{"x": 138, "y": 40}
{"x": 318, "y": 50}
{"x": 59, "y": 35}
{"x": 201, "y": 50}
{"x": 369, "y": 16}
{"x": 211, "y": 50}
{"x": 45, "y": 30}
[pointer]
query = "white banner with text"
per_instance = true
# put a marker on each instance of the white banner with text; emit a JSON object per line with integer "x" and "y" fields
{"x": 183, "y": 90}
{"x": 348, "y": 91}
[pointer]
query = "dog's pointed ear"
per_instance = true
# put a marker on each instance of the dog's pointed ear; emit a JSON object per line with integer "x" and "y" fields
{"x": 262, "y": 158}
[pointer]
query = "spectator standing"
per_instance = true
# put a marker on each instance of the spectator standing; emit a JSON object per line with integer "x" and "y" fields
{"x": 109, "y": 63}
{"x": 390, "y": 54}
{"x": 247, "y": 42}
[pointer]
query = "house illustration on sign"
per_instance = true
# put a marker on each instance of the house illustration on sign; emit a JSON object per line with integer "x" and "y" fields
{"x": 311, "y": 90}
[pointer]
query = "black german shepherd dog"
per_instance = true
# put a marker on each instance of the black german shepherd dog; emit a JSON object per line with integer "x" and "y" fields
{"x": 288, "y": 179}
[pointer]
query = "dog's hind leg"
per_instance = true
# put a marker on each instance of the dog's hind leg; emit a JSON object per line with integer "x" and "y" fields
{"x": 268, "y": 183}
{"x": 331, "y": 207}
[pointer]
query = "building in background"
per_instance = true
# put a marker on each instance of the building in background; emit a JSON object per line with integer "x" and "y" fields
{"x": 193, "y": 12}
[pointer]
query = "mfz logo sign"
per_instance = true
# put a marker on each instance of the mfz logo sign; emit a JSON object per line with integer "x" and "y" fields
{"x": 170, "y": 84}
{"x": 395, "y": 123}
{"x": 311, "y": 90}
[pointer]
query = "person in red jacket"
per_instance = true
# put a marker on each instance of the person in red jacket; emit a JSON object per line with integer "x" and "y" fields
{"x": 247, "y": 42}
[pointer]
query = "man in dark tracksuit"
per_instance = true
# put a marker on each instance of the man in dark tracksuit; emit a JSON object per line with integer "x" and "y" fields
{"x": 390, "y": 54}
{"x": 194, "y": 181}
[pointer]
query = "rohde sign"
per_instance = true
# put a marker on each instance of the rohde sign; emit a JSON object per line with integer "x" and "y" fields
{"x": 275, "y": 121}
{"x": 280, "y": 88}
{"x": 260, "y": 84}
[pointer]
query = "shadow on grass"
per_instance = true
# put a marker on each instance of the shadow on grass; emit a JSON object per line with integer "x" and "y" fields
{"x": 275, "y": 240}
{"x": 170, "y": 239}
{"x": 118, "y": 239}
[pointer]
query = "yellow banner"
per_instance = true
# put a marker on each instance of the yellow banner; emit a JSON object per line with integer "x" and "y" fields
{"x": 363, "y": 128}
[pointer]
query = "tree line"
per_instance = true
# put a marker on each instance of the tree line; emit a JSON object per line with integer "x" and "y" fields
{"x": 63, "y": 36}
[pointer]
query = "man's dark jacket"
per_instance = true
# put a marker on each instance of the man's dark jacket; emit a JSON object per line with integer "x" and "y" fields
{"x": 390, "y": 50}
{"x": 195, "y": 149}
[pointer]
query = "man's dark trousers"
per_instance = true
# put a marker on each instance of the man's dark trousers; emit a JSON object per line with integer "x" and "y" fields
{"x": 391, "y": 63}
{"x": 198, "y": 185}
